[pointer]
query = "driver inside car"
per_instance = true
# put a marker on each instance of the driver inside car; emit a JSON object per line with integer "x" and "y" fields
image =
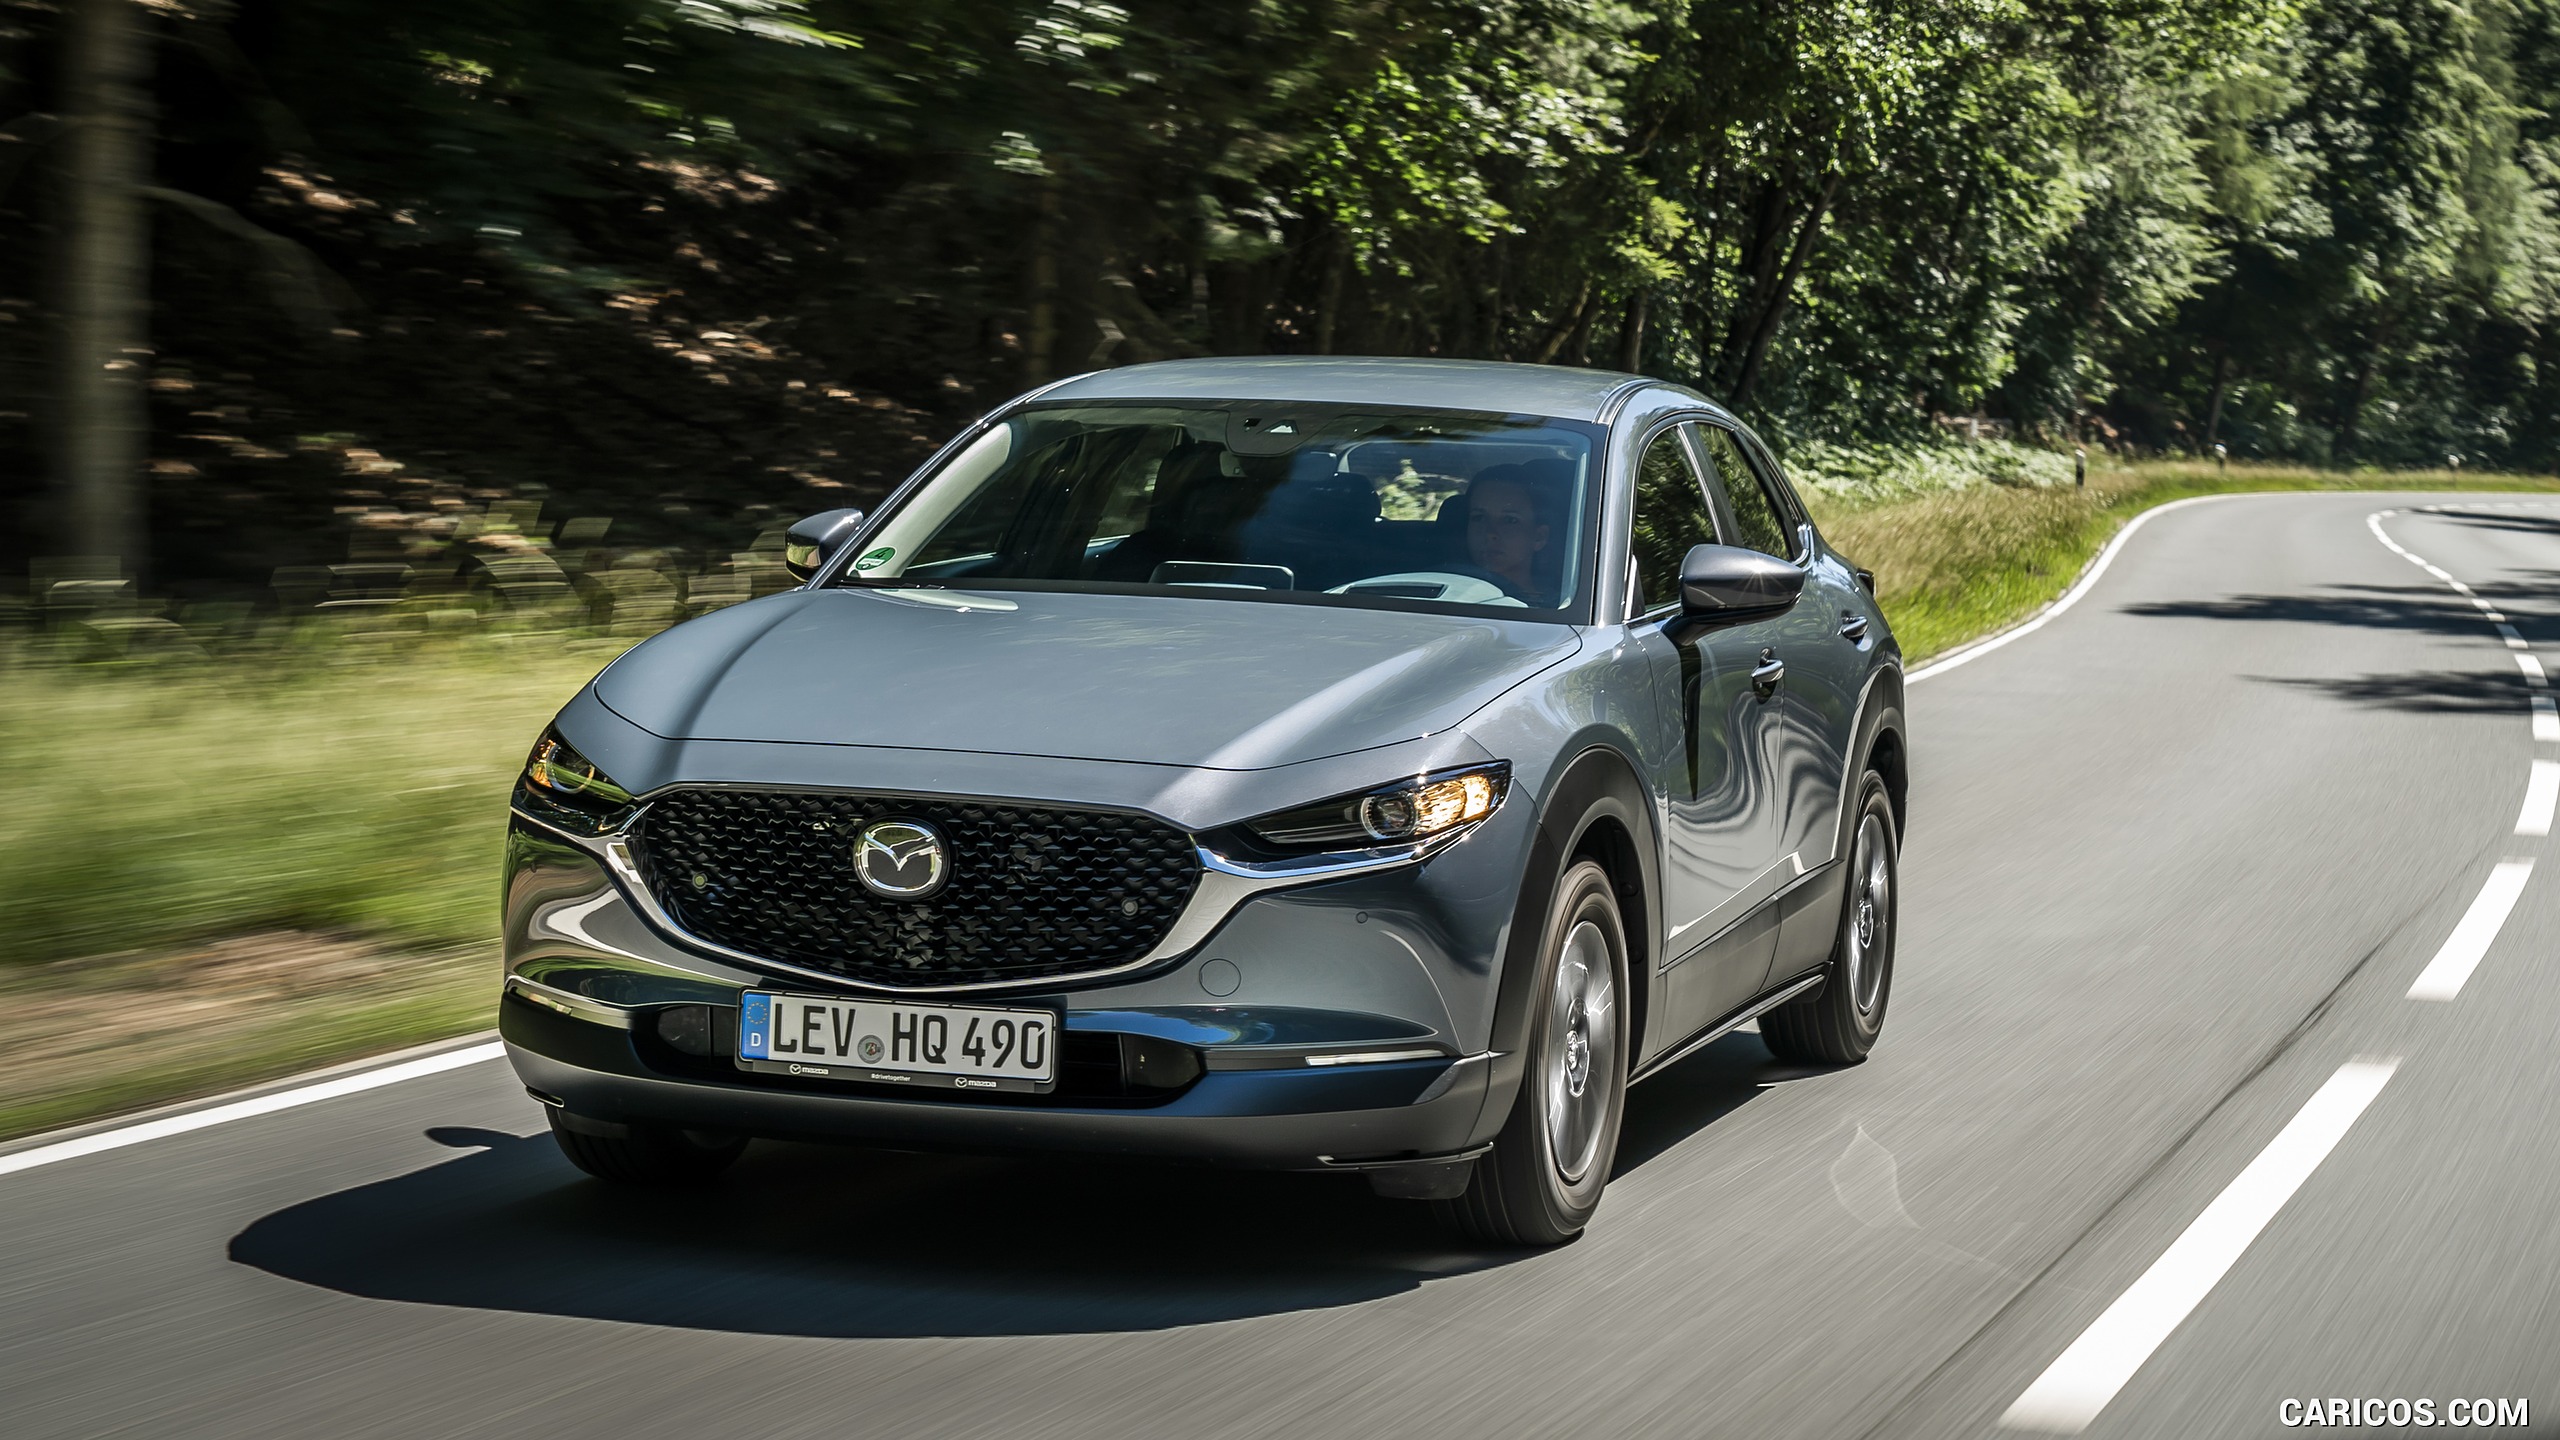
{"x": 1507, "y": 531}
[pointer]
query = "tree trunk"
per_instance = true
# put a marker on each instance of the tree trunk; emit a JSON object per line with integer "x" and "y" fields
{"x": 2351, "y": 427}
{"x": 1784, "y": 291}
{"x": 1566, "y": 324}
{"x": 1329, "y": 298}
{"x": 104, "y": 265}
{"x": 1756, "y": 273}
{"x": 1460, "y": 290}
{"x": 1631, "y": 334}
{"x": 1040, "y": 347}
{"x": 2213, "y": 411}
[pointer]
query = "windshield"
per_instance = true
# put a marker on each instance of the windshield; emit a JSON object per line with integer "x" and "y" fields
{"x": 1335, "y": 504}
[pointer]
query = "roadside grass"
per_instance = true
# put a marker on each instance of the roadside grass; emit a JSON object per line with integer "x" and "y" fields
{"x": 336, "y": 799}
{"x": 1959, "y": 564}
{"x": 104, "y": 1037}
{"x": 225, "y": 869}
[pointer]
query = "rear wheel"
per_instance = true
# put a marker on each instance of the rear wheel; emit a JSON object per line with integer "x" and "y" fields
{"x": 655, "y": 1156}
{"x": 1838, "y": 1025}
{"x": 1543, "y": 1177}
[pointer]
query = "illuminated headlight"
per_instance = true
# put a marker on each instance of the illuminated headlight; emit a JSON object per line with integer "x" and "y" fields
{"x": 564, "y": 788}
{"x": 1418, "y": 809}
{"x": 1426, "y": 810}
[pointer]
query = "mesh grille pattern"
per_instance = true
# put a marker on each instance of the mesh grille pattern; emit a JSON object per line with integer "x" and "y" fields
{"x": 1033, "y": 892}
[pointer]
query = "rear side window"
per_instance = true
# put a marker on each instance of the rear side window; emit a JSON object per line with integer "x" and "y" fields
{"x": 1671, "y": 518}
{"x": 1759, "y": 518}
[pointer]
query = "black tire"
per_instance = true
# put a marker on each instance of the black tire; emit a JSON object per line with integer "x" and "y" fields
{"x": 1542, "y": 1180}
{"x": 1838, "y": 1024}
{"x": 652, "y": 1156}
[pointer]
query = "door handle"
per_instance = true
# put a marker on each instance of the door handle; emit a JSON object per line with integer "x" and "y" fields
{"x": 1765, "y": 677}
{"x": 1853, "y": 626}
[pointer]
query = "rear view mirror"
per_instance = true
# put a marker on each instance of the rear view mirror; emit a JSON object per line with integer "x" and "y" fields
{"x": 1726, "y": 585}
{"x": 810, "y": 543}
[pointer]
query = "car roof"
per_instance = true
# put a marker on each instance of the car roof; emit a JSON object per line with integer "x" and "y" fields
{"x": 1558, "y": 391}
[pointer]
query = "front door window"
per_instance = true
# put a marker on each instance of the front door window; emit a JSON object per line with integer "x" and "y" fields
{"x": 1671, "y": 519}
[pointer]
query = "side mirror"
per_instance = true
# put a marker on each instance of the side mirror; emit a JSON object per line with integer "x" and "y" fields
{"x": 1725, "y": 585}
{"x": 810, "y": 543}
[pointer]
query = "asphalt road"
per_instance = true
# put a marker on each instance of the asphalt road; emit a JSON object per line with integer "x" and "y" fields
{"x": 2177, "y": 858}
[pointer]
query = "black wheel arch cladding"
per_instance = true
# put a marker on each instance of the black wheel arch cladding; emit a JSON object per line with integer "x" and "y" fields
{"x": 1595, "y": 793}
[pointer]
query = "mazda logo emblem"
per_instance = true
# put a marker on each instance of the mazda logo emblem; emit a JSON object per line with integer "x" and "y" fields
{"x": 901, "y": 859}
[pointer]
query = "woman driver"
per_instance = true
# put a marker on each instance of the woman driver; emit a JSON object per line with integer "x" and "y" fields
{"x": 1506, "y": 531}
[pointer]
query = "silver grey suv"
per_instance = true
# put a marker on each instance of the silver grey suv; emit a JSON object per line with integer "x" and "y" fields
{"x": 1320, "y": 764}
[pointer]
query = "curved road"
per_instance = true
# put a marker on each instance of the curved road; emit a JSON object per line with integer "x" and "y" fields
{"x": 2153, "y": 1076}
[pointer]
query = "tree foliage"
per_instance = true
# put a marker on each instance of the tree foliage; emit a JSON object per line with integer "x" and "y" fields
{"x": 699, "y": 262}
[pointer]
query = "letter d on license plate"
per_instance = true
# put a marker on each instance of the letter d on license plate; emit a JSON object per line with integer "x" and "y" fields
{"x": 951, "y": 1047}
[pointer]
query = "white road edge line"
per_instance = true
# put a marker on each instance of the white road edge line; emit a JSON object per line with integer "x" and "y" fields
{"x": 2088, "y": 580}
{"x": 256, "y": 1105}
{"x": 2461, "y": 952}
{"x": 2541, "y": 796}
{"x": 2079, "y": 1383}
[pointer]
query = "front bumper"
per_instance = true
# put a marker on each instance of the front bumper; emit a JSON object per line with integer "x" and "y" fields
{"x": 1338, "y": 1117}
{"x": 1333, "y": 1026}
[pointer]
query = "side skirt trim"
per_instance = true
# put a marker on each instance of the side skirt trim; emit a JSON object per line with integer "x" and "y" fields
{"x": 1727, "y": 1026}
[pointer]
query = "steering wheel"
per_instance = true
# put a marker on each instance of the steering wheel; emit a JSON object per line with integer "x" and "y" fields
{"x": 1442, "y": 576}
{"x": 1477, "y": 572}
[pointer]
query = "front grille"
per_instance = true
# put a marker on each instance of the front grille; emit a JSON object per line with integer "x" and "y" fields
{"x": 1033, "y": 891}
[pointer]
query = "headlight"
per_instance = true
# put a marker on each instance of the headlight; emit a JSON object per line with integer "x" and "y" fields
{"x": 564, "y": 788}
{"x": 1418, "y": 809}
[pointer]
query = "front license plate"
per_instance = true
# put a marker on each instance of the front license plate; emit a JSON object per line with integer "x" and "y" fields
{"x": 953, "y": 1047}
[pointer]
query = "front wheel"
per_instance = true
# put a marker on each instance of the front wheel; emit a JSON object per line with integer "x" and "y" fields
{"x": 1543, "y": 1178}
{"x": 1838, "y": 1024}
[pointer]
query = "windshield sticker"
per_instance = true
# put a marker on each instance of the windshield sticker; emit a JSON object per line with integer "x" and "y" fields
{"x": 876, "y": 558}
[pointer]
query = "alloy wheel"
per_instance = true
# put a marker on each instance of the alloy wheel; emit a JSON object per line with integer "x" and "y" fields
{"x": 1871, "y": 917}
{"x": 1582, "y": 1050}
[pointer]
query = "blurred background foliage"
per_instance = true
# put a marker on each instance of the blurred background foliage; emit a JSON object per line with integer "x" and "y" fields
{"x": 414, "y": 287}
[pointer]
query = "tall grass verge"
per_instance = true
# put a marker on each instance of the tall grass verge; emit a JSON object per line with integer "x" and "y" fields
{"x": 318, "y": 787}
{"x": 223, "y": 870}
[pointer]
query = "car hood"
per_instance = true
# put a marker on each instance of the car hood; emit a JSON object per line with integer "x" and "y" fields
{"x": 1161, "y": 679}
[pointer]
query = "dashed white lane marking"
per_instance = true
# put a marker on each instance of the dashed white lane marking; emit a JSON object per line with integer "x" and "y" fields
{"x": 2514, "y": 639}
{"x": 2532, "y": 669}
{"x": 2460, "y": 954}
{"x": 2546, "y": 720}
{"x": 2078, "y": 1384}
{"x": 2541, "y": 794}
{"x": 161, "y": 1129}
